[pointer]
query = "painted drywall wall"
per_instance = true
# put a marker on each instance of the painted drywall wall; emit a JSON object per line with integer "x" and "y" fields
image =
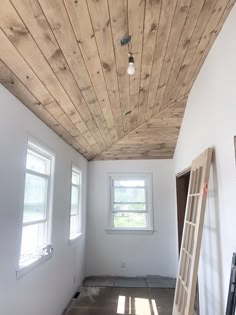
{"x": 154, "y": 254}
{"x": 48, "y": 288}
{"x": 209, "y": 121}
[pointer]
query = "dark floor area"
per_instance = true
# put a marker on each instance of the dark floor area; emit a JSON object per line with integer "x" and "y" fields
{"x": 126, "y": 301}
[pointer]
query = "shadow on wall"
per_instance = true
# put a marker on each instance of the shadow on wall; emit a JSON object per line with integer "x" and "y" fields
{"x": 210, "y": 269}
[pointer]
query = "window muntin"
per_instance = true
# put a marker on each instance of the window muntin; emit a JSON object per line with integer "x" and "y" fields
{"x": 35, "y": 229}
{"x": 75, "y": 206}
{"x": 131, "y": 206}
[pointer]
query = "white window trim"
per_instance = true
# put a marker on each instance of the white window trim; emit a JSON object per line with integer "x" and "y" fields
{"x": 75, "y": 237}
{"x": 35, "y": 146}
{"x": 148, "y": 189}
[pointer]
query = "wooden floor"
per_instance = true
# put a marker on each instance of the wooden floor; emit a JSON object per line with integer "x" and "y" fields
{"x": 130, "y": 301}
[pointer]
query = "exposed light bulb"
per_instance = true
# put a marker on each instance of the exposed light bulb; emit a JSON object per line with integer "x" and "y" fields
{"x": 131, "y": 67}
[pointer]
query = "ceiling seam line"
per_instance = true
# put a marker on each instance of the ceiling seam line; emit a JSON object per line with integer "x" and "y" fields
{"x": 92, "y": 85}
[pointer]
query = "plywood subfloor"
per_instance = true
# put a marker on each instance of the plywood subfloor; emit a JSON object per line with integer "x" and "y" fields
{"x": 113, "y": 301}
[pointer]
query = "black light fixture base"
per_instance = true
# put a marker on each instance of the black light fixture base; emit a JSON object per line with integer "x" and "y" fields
{"x": 131, "y": 59}
{"x": 125, "y": 40}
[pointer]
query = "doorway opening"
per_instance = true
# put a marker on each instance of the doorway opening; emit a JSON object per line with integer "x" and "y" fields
{"x": 182, "y": 184}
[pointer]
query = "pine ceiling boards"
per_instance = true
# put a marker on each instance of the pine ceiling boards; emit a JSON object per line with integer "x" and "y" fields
{"x": 64, "y": 61}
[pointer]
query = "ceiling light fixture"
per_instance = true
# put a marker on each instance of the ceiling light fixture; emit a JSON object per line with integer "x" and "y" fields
{"x": 131, "y": 67}
{"x": 126, "y": 40}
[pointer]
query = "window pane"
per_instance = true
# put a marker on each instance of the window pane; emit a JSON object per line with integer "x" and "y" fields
{"x": 75, "y": 204}
{"x": 129, "y": 183}
{"x": 33, "y": 238}
{"x": 75, "y": 178}
{"x": 37, "y": 163}
{"x": 129, "y": 220}
{"x": 74, "y": 199}
{"x": 74, "y": 225}
{"x": 35, "y": 201}
{"x": 129, "y": 195}
{"x": 130, "y": 207}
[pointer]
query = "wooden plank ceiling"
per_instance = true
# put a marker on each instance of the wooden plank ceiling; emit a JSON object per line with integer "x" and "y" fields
{"x": 64, "y": 61}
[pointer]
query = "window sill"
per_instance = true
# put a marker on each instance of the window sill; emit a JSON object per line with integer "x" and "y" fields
{"x": 75, "y": 238}
{"x": 129, "y": 231}
{"x": 23, "y": 270}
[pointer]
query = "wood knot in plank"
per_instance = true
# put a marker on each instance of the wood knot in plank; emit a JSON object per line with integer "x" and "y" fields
{"x": 153, "y": 2}
{"x": 127, "y": 113}
{"x": 153, "y": 27}
{"x": 56, "y": 27}
{"x": 186, "y": 43}
{"x": 106, "y": 66}
{"x": 56, "y": 54}
{"x": 184, "y": 8}
{"x": 183, "y": 67}
{"x": 18, "y": 31}
{"x": 161, "y": 86}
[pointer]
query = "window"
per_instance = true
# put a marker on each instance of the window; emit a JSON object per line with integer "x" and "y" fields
{"x": 131, "y": 202}
{"x": 37, "y": 206}
{"x": 75, "y": 205}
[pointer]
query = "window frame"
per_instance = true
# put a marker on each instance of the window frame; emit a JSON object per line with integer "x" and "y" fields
{"x": 147, "y": 177}
{"x": 72, "y": 237}
{"x": 47, "y": 249}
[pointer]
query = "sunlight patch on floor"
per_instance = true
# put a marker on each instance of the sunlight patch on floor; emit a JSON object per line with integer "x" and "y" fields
{"x": 121, "y": 305}
{"x": 141, "y": 306}
{"x": 154, "y": 307}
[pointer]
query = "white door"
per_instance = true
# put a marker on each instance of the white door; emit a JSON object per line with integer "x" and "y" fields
{"x": 192, "y": 235}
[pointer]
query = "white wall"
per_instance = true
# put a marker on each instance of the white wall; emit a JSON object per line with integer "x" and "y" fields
{"x": 209, "y": 121}
{"x": 143, "y": 254}
{"x": 48, "y": 288}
